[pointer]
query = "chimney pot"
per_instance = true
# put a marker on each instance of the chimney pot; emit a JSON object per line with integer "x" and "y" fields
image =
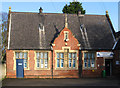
{"x": 40, "y": 10}
{"x": 79, "y": 12}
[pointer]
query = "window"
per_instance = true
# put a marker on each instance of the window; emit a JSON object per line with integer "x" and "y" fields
{"x": 60, "y": 60}
{"x": 25, "y": 63}
{"x": 70, "y": 62}
{"x": 72, "y": 59}
{"x": 38, "y": 61}
{"x": 89, "y": 60}
{"x": 42, "y": 60}
{"x": 22, "y": 55}
{"x": 73, "y": 63}
{"x": 66, "y": 36}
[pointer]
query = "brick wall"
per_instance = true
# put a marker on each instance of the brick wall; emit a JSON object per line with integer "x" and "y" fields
{"x": 10, "y": 73}
{"x": 59, "y": 43}
{"x": 97, "y": 72}
{"x": 31, "y": 73}
{"x": 116, "y": 68}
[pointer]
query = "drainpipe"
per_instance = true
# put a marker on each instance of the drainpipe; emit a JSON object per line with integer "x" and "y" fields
{"x": 80, "y": 63}
{"x": 52, "y": 61}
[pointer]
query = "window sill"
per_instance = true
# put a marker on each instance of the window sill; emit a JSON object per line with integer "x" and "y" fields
{"x": 90, "y": 68}
{"x": 66, "y": 68}
{"x": 26, "y": 69}
{"x": 42, "y": 68}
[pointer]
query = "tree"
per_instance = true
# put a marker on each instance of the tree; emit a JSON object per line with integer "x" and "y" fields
{"x": 73, "y": 8}
{"x": 3, "y": 26}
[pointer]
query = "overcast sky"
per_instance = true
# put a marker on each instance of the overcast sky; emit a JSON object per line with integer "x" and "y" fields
{"x": 98, "y": 8}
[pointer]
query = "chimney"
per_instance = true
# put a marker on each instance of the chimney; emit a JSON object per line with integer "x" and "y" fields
{"x": 40, "y": 10}
{"x": 66, "y": 23}
{"x": 79, "y": 12}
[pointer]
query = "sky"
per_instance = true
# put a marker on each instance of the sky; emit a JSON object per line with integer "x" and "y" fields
{"x": 97, "y": 8}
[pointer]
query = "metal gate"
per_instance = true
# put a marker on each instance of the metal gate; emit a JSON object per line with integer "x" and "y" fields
{"x": 19, "y": 68}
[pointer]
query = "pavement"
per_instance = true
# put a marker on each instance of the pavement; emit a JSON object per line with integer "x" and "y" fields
{"x": 2, "y": 70}
{"x": 109, "y": 81}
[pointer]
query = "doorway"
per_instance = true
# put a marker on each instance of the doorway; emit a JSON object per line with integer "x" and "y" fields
{"x": 108, "y": 67}
{"x": 19, "y": 68}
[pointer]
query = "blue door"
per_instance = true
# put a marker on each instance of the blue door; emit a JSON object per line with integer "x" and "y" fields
{"x": 19, "y": 68}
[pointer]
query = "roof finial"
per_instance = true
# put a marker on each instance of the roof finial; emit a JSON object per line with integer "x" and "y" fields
{"x": 66, "y": 24}
{"x": 106, "y": 12}
{"x": 9, "y": 9}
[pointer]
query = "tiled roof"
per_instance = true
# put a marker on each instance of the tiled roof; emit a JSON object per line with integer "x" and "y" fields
{"x": 96, "y": 33}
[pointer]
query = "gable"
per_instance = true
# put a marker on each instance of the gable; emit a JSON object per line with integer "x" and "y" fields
{"x": 71, "y": 41}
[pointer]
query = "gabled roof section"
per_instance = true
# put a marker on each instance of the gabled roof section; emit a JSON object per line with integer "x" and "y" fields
{"x": 25, "y": 30}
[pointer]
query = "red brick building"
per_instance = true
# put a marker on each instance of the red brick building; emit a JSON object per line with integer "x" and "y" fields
{"x": 116, "y": 59}
{"x": 56, "y": 45}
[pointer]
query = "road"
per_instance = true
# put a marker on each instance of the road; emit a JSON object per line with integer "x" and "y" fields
{"x": 63, "y": 82}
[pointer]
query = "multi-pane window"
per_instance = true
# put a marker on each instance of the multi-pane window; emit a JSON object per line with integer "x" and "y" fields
{"x": 72, "y": 59}
{"x": 22, "y": 55}
{"x": 42, "y": 60}
{"x": 60, "y": 60}
{"x": 89, "y": 60}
